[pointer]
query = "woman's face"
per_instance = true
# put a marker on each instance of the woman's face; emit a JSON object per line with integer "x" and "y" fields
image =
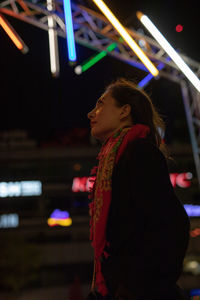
{"x": 105, "y": 118}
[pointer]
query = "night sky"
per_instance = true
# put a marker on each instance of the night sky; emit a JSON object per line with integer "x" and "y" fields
{"x": 32, "y": 100}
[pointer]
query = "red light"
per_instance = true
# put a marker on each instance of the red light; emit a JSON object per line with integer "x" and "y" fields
{"x": 181, "y": 179}
{"x": 82, "y": 184}
{"x": 173, "y": 177}
{"x": 179, "y": 28}
{"x": 195, "y": 232}
{"x": 85, "y": 184}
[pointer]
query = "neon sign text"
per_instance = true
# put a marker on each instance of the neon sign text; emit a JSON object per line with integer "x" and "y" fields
{"x": 83, "y": 184}
{"x": 181, "y": 179}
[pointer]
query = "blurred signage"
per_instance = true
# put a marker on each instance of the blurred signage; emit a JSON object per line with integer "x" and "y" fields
{"x": 195, "y": 232}
{"x": 192, "y": 210}
{"x": 16, "y": 138}
{"x": 59, "y": 218}
{"x": 20, "y": 188}
{"x": 195, "y": 292}
{"x": 193, "y": 266}
{"x": 83, "y": 184}
{"x": 9, "y": 221}
{"x": 182, "y": 180}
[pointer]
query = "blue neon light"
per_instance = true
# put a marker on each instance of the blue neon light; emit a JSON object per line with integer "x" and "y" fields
{"x": 195, "y": 292}
{"x": 69, "y": 30}
{"x": 192, "y": 210}
{"x": 59, "y": 214}
{"x": 146, "y": 79}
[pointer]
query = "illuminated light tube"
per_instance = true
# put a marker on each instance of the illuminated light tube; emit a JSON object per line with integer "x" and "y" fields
{"x": 53, "y": 48}
{"x": 13, "y": 35}
{"x": 53, "y": 42}
{"x": 126, "y": 36}
{"x": 138, "y": 65}
{"x": 93, "y": 60}
{"x": 147, "y": 78}
{"x": 69, "y": 30}
{"x": 169, "y": 50}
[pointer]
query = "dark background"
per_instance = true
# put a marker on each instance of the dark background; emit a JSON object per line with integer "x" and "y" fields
{"x": 44, "y": 106}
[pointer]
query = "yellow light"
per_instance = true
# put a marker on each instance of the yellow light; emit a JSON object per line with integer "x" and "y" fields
{"x": 61, "y": 222}
{"x": 10, "y": 32}
{"x": 126, "y": 36}
{"x": 65, "y": 222}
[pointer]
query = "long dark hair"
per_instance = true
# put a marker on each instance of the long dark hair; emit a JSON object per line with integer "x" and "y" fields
{"x": 142, "y": 109}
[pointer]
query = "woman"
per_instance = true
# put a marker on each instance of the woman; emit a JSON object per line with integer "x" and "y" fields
{"x": 139, "y": 229}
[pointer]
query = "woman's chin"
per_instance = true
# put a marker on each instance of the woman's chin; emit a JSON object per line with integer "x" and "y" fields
{"x": 96, "y": 134}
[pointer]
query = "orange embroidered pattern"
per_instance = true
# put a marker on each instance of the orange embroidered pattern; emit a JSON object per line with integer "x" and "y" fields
{"x": 101, "y": 195}
{"x": 105, "y": 170}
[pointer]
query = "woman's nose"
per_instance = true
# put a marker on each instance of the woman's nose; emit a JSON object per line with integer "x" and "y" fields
{"x": 91, "y": 114}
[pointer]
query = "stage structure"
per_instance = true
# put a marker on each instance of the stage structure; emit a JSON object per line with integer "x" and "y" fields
{"x": 94, "y": 31}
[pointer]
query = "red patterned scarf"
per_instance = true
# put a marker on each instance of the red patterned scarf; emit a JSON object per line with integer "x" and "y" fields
{"x": 108, "y": 156}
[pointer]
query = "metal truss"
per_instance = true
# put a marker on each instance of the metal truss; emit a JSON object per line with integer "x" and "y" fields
{"x": 94, "y": 31}
{"x": 191, "y": 99}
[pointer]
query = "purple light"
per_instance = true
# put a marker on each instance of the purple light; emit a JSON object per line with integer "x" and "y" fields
{"x": 58, "y": 214}
{"x": 192, "y": 210}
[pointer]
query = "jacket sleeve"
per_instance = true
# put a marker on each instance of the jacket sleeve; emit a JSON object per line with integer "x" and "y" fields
{"x": 148, "y": 228}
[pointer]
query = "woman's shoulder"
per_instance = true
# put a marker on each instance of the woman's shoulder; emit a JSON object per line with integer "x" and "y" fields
{"x": 145, "y": 148}
{"x": 145, "y": 158}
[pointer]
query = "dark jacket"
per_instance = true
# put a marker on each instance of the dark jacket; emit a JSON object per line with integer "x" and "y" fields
{"x": 147, "y": 228}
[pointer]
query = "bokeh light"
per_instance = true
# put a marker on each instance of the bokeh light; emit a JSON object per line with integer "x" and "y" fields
{"x": 179, "y": 28}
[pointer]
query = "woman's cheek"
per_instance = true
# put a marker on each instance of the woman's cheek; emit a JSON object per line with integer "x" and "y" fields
{"x": 98, "y": 111}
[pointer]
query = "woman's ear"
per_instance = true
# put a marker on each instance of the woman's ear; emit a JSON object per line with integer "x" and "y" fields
{"x": 125, "y": 111}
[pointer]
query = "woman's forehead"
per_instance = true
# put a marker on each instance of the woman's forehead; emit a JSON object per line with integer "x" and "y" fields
{"x": 105, "y": 96}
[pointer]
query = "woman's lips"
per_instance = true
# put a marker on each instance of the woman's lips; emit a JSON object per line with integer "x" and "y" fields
{"x": 92, "y": 123}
